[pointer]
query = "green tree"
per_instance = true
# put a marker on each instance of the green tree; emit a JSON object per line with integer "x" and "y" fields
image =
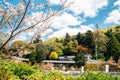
{"x": 80, "y": 59}
{"x": 37, "y": 39}
{"x": 19, "y": 44}
{"x": 117, "y": 32}
{"x": 89, "y": 40}
{"x": 70, "y": 48}
{"x": 38, "y": 54}
{"x": 79, "y": 38}
{"x": 117, "y": 35}
{"x": 66, "y": 39}
{"x": 55, "y": 44}
{"x": 32, "y": 56}
{"x": 53, "y": 55}
{"x": 100, "y": 41}
{"x": 108, "y": 33}
{"x": 18, "y": 48}
{"x": 60, "y": 52}
{"x": 113, "y": 49}
{"x": 117, "y": 28}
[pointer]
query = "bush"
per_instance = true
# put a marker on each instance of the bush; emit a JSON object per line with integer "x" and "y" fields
{"x": 12, "y": 71}
{"x": 80, "y": 59}
{"x": 37, "y": 55}
{"x": 99, "y": 76}
{"x": 53, "y": 55}
{"x": 20, "y": 70}
{"x": 5, "y": 74}
{"x": 23, "y": 69}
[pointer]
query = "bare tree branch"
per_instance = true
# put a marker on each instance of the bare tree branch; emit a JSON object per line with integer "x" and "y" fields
{"x": 11, "y": 35}
{"x": 17, "y": 24}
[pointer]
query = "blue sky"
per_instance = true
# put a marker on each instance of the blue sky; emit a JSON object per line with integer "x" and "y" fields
{"x": 81, "y": 16}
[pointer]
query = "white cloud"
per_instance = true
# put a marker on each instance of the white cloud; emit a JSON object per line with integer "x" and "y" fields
{"x": 71, "y": 31}
{"x": 55, "y": 2}
{"x": 114, "y": 16}
{"x": 65, "y": 20}
{"x": 117, "y": 3}
{"x": 89, "y": 8}
{"x": 84, "y": 28}
{"x": 47, "y": 32}
{"x": 30, "y": 33}
{"x": 34, "y": 18}
{"x": 62, "y": 32}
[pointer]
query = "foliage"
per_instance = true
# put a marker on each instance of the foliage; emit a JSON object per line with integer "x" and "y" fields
{"x": 37, "y": 55}
{"x": 100, "y": 41}
{"x": 5, "y": 74}
{"x": 53, "y": 55}
{"x": 101, "y": 56}
{"x": 18, "y": 48}
{"x": 1, "y": 54}
{"x": 92, "y": 66}
{"x": 40, "y": 55}
{"x": 59, "y": 52}
{"x": 21, "y": 71}
{"x": 108, "y": 33}
{"x": 99, "y": 76}
{"x": 11, "y": 70}
{"x": 56, "y": 75}
{"x": 55, "y": 45}
{"x": 37, "y": 39}
{"x": 89, "y": 40}
{"x": 117, "y": 35}
{"x": 16, "y": 19}
{"x": 19, "y": 44}
{"x": 66, "y": 39}
{"x": 79, "y": 38}
{"x": 70, "y": 48}
{"x": 113, "y": 49}
{"x": 80, "y": 59}
{"x": 117, "y": 32}
{"x": 81, "y": 48}
{"x": 32, "y": 56}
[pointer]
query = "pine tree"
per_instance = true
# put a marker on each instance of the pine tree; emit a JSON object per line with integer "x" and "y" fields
{"x": 66, "y": 40}
{"x": 113, "y": 49}
{"x": 79, "y": 38}
{"x": 117, "y": 32}
{"x": 88, "y": 41}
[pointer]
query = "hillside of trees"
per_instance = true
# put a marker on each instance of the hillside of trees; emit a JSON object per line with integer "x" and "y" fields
{"x": 105, "y": 43}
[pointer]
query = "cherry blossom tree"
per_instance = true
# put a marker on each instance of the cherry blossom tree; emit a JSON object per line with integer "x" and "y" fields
{"x": 27, "y": 16}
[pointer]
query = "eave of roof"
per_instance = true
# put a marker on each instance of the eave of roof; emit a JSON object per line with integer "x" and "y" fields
{"x": 58, "y": 61}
